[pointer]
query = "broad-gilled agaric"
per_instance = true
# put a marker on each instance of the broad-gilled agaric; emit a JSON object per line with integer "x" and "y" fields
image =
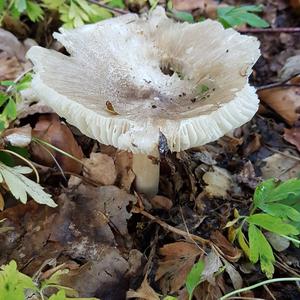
{"x": 129, "y": 79}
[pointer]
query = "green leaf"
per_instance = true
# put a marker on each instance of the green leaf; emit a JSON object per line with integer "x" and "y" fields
{"x": 233, "y": 16}
{"x": 194, "y": 278}
{"x": 281, "y": 210}
{"x": 19, "y": 185}
{"x": 2, "y": 4}
{"x": 10, "y": 110}
{"x": 288, "y": 190}
{"x": 101, "y": 14}
{"x": 3, "y": 98}
{"x": 116, "y": 3}
{"x": 20, "y": 5}
{"x": 263, "y": 190}
{"x": 13, "y": 283}
{"x": 7, "y": 83}
{"x": 184, "y": 16}
{"x": 34, "y": 12}
{"x": 58, "y": 296}
{"x": 261, "y": 249}
{"x": 243, "y": 243}
{"x": 273, "y": 224}
{"x": 53, "y": 4}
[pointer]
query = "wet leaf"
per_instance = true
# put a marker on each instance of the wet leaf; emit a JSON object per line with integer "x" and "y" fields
{"x": 144, "y": 292}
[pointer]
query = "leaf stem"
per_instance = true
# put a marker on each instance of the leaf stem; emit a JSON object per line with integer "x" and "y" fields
{"x": 248, "y": 288}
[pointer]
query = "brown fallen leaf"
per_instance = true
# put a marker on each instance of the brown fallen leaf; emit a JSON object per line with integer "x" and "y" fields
{"x": 280, "y": 166}
{"x": 178, "y": 259}
{"x": 144, "y": 292}
{"x": 10, "y": 68}
{"x": 188, "y": 4}
{"x": 11, "y": 45}
{"x": 253, "y": 145}
{"x": 100, "y": 168}
{"x": 49, "y": 128}
{"x": 284, "y": 101}
{"x": 161, "y": 202}
{"x": 125, "y": 175}
{"x": 230, "y": 252}
{"x": 293, "y": 136}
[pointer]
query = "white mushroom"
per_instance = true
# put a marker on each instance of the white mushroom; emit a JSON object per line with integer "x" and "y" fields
{"x": 130, "y": 78}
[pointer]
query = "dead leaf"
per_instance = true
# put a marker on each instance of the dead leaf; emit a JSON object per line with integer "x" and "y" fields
{"x": 234, "y": 275}
{"x": 188, "y": 4}
{"x": 253, "y": 145}
{"x": 230, "y": 252}
{"x": 11, "y": 45}
{"x": 278, "y": 242}
{"x": 50, "y": 129}
{"x": 213, "y": 264}
{"x": 247, "y": 176}
{"x": 292, "y": 65}
{"x": 218, "y": 182}
{"x": 293, "y": 136}
{"x": 104, "y": 278}
{"x": 280, "y": 166}
{"x": 10, "y": 68}
{"x": 178, "y": 259}
{"x": 100, "y": 168}
{"x": 145, "y": 292}
{"x": 208, "y": 291}
{"x": 284, "y": 101}
{"x": 161, "y": 202}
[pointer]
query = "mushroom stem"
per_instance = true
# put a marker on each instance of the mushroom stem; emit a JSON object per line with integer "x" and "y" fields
{"x": 146, "y": 169}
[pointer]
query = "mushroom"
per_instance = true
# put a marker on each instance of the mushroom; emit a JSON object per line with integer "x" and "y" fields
{"x": 130, "y": 79}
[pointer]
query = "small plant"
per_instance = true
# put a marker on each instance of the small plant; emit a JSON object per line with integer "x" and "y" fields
{"x": 194, "y": 277}
{"x": 73, "y": 13}
{"x": 15, "y": 285}
{"x": 12, "y": 177}
{"x": 279, "y": 213}
{"x": 231, "y": 16}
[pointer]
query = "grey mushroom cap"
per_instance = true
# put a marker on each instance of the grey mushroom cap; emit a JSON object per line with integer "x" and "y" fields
{"x": 129, "y": 78}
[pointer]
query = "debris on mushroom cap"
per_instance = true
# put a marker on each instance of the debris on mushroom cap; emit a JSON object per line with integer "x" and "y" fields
{"x": 130, "y": 78}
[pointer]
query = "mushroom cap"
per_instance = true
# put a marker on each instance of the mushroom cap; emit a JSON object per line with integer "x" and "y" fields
{"x": 130, "y": 78}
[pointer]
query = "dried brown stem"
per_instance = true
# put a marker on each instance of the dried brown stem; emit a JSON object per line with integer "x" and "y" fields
{"x": 173, "y": 229}
{"x": 113, "y": 9}
{"x": 292, "y": 30}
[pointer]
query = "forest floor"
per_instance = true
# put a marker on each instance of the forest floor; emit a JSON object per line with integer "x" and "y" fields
{"x": 113, "y": 240}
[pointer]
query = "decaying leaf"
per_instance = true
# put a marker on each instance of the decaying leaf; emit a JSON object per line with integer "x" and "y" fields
{"x": 123, "y": 164}
{"x": 218, "y": 182}
{"x": 230, "y": 252}
{"x": 144, "y": 292}
{"x": 10, "y": 68}
{"x": 161, "y": 202}
{"x": 51, "y": 130}
{"x": 292, "y": 65}
{"x": 278, "y": 242}
{"x": 293, "y": 136}
{"x": 178, "y": 259}
{"x": 100, "y": 168}
{"x": 280, "y": 166}
{"x": 284, "y": 101}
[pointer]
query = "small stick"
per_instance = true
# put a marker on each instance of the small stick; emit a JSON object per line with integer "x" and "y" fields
{"x": 291, "y": 30}
{"x": 115, "y": 10}
{"x": 171, "y": 228}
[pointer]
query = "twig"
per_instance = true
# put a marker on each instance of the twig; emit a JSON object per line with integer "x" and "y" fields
{"x": 291, "y": 30}
{"x": 283, "y": 84}
{"x": 284, "y": 154}
{"x": 113, "y": 9}
{"x": 171, "y": 228}
{"x": 251, "y": 287}
{"x": 269, "y": 292}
